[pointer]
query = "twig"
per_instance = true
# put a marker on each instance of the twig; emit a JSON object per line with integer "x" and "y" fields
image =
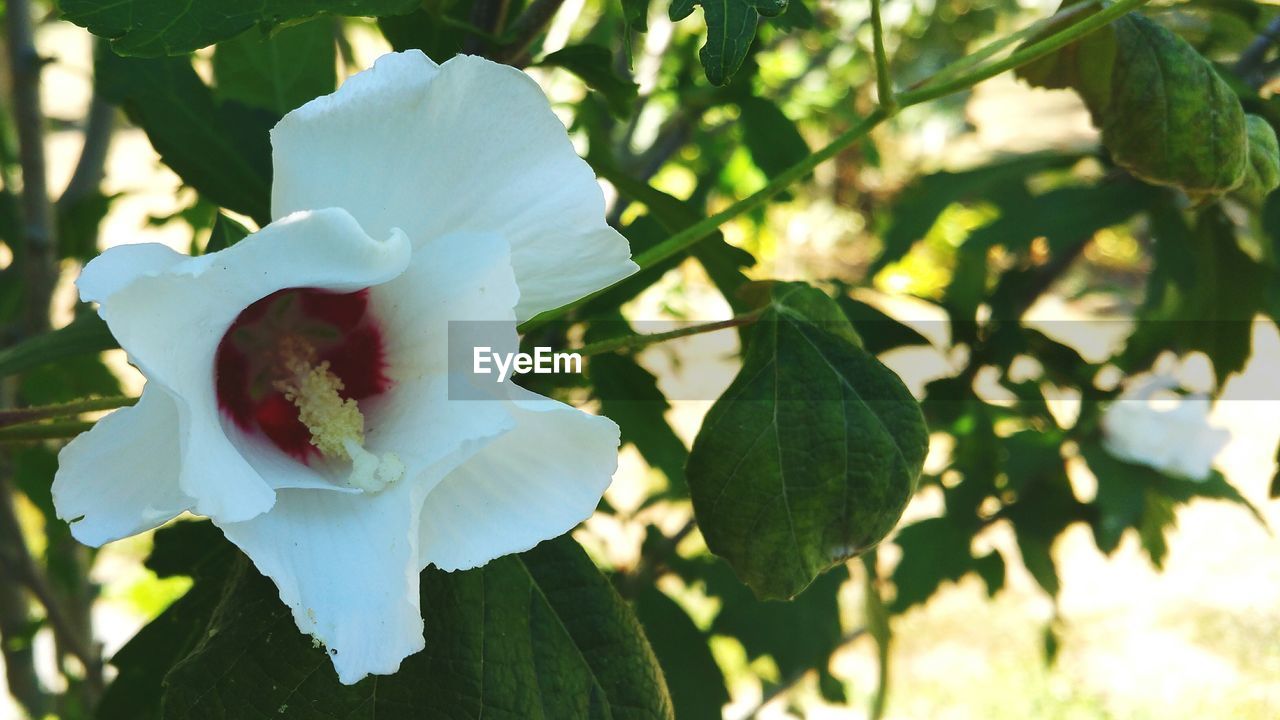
{"x": 99, "y": 125}
{"x": 631, "y": 343}
{"x": 487, "y": 19}
{"x": 1251, "y": 59}
{"x": 653, "y": 563}
{"x": 59, "y": 430}
{"x": 16, "y": 562}
{"x": 20, "y": 416}
{"x": 16, "y": 648}
{"x": 526, "y": 29}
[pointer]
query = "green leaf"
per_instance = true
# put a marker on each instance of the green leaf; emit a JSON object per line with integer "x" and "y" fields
{"x": 536, "y": 635}
{"x": 225, "y": 232}
{"x": 78, "y": 224}
{"x": 879, "y": 331}
{"x": 934, "y": 551}
{"x": 810, "y": 456}
{"x": 1136, "y": 496}
{"x": 594, "y": 64}
{"x": 635, "y": 13}
{"x": 917, "y": 207}
{"x": 731, "y": 26}
{"x": 87, "y": 334}
{"x": 278, "y": 71}
{"x": 799, "y": 635}
{"x": 149, "y": 28}
{"x": 1262, "y": 175}
{"x": 1164, "y": 112}
{"x": 629, "y": 395}
{"x": 696, "y": 681}
{"x": 194, "y": 549}
{"x": 221, "y": 150}
{"x": 1209, "y": 304}
{"x": 771, "y": 137}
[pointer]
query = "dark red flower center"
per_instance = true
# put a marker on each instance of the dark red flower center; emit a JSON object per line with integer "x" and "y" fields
{"x": 253, "y": 359}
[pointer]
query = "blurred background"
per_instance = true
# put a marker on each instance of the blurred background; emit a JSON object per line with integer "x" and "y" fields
{"x": 1190, "y": 630}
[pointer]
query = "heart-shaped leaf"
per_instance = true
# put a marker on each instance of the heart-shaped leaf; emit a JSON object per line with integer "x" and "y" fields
{"x": 810, "y": 456}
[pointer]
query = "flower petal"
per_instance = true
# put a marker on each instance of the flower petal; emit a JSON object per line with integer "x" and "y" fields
{"x": 347, "y": 567}
{"x": 459, "y": 291}
{"x": 171, "y": 321}
{"x": 121, "y": 477}
{"x": 533, "y": 483}
{"x": 113, "y": 271}
{"x": 469, "y": 145}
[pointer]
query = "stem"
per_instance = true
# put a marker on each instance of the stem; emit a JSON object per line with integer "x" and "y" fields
{"x": 987, "y": 51}
{"x": 526, "y": 29}
{"x": 878, "y": 625}
{"x": 25, "y": 415}
{"x": 686, "y": 238}
{"x": 884, "y": 83}
{"x": 631, "y": 343}
{"x": 58, "y": 430}
{"x": 1034, "y": 51}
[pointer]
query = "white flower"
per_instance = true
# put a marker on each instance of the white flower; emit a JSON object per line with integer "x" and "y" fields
{"x": 1153, "y": 426}
{"x": 297, "y": 382}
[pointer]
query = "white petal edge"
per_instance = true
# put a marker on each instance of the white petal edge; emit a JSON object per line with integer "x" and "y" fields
{"x": 532, "y": 484}
{"x": 469, "y": 145}
{"x": 346, "y": 565}
{"x": 171, "y": 321}
{"x": 121, "y": 477}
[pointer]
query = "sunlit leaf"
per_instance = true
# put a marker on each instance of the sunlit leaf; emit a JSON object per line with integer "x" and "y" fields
{"x": 731, "y": 26}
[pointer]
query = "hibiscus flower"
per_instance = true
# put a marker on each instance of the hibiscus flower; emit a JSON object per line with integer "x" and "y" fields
{"x": 298, "y": 382}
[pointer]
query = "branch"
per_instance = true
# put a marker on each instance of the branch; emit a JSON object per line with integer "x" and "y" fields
{"x": 16, "y": 648}
{"x": 99, "y": 125}
{"x": 16, "y": 562}
{"x": 39, "y": 242}
{"x": 526, "y": 29}
{"x": 1250, "y": 62}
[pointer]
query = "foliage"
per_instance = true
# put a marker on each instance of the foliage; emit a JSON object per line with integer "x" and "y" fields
{"x": 809, "y": 457}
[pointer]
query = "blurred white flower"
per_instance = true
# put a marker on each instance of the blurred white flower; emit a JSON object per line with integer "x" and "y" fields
{"x": 1152, "y": 425}
{"x": 297, "y": 386}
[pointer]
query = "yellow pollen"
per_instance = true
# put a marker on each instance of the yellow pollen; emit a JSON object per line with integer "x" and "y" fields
{"x": 336, "y": 424}
{"x": 331, "y": 419}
